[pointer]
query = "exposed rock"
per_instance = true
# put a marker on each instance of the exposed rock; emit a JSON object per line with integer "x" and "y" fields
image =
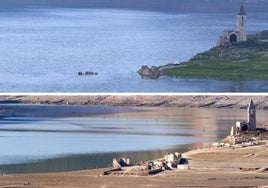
{"x": 152, "y": 73}
{"x": 87, "y": 73}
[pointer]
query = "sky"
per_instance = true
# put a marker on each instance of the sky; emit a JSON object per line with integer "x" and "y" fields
{"x": 154, "y": 5}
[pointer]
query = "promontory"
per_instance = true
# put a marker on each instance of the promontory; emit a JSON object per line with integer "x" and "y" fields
{"x": 246, "y": 60}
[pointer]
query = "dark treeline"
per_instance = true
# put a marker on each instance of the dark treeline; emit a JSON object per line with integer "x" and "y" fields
{"x": 175, "y": 6}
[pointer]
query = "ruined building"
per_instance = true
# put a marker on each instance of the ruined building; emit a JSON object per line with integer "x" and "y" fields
{"x": 231, "y": 36}
{"x": 250, "y": 125}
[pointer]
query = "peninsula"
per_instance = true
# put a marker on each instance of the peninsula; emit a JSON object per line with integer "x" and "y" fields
{"x": 247, "y": 60}
{"x": 233, "y": 61}
{"x": 237, "y": 56}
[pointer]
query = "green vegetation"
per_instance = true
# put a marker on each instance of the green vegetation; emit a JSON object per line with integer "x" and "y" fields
{"x": 239, "y": 61}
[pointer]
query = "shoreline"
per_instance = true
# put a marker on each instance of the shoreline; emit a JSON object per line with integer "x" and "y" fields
{"x": 48, "y": 165}
{"x": 209, "y": 167}
{"x": 191, "y": 101}
{"x": 246, "y": 57}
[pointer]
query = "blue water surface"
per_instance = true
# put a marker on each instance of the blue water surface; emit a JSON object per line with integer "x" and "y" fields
{"x": 42, "y": 50}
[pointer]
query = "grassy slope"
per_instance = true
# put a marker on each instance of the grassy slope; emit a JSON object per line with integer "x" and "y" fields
{"x": 240, "y": 61}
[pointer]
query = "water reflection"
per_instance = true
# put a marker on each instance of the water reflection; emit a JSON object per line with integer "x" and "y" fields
{"x": 89, "y": 161}
{"x": 57, "y": 140}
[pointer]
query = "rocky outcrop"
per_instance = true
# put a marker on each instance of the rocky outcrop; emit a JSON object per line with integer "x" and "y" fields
{"x": 152, "y": 73}
{"x": 87, "y": 73}
{"x": 249, "y": 52}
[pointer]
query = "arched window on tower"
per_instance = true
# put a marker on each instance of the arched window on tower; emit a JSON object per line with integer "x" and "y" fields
{"x": 242, "y": 21}
{"x": 251, "y": 113}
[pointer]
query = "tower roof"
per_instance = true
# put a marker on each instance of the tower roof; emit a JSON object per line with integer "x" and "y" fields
{"x": 242, "y": 10}
{"x": 251, "y": 104}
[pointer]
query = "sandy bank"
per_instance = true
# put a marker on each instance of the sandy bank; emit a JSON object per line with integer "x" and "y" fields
{"x": 208, "y": 101}
{"x": 211, "y": 167}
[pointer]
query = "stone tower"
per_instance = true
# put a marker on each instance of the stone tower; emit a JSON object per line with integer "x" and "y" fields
{"x": 242, "y": 24}
{"x": 232, "y": 36}
{"x": 251, "y": 116}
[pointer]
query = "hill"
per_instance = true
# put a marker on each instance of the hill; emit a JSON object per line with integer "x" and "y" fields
{"x": 240, "y": 61}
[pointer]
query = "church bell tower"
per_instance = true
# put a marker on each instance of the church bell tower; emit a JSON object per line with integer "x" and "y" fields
{"x": 251, "y": 116}
{"x": 242, "y": 24}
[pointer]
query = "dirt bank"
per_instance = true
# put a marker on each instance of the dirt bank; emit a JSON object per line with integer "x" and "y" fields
{"x": 208, "y": 101}
{"x": 210, "y": 167}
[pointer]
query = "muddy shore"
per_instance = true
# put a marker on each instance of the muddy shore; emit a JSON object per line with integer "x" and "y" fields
{"x": 209, "y": 167}
{"x": 207, "y": 101}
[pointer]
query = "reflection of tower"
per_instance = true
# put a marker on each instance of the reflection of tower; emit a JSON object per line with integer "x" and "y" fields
{"x": 251, "y": 116}
{"x": 242, "y": 24}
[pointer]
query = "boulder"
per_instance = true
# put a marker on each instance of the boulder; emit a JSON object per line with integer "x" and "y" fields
{"x": 152, "y": 73}
{"x": 89, "y": 73}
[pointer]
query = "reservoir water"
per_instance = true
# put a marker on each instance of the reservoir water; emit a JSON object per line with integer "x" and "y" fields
{"x": 62, "y": 138}
{"x": 42, "y": 50}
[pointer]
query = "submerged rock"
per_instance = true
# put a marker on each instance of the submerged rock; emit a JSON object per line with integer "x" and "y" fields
{"x": 87, "y": 73}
